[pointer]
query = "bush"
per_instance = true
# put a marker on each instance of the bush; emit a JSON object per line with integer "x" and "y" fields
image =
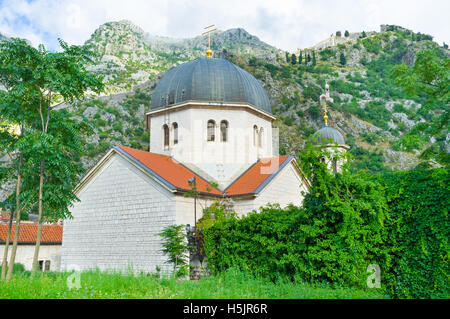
{"x": 418, "y": 226}
{"x": 333, "y": 238}
{"x": 17, "y": 269}
{"x": 312, "y": 92}
{"x": 326, "y": 54}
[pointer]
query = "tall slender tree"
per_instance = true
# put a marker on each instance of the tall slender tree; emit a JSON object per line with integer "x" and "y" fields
{"x": 60, "y": 75}
{"x": 16, "y": 111}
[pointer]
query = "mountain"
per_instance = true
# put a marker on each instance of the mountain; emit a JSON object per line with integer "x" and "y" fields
{"x": 368, "y": 109}
{"x": 128, "y": 56}
{"x": 372, "y": 113}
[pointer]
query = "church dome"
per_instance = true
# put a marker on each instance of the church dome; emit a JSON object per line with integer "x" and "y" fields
{"x": 328, "y": 135}
{"x": 209, "y": 80}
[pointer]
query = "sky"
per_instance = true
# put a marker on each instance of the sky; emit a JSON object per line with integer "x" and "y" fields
{"x": 285, "y": 24}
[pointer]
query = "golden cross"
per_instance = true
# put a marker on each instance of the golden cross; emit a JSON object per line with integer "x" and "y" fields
{"x": 209, "y": 30}
{"x": 325, "y": 116}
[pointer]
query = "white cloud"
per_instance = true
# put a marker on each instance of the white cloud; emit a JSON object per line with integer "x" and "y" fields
{"x": 284, "y": 24}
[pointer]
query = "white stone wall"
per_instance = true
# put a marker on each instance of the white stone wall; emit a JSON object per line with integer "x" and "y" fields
{"x": 194, "y": 148}
{"x": 25, "y": 253}
{"x": 117, "y": 221}
{"x": 284, "y": 189}
{"x": 185, "y": 208}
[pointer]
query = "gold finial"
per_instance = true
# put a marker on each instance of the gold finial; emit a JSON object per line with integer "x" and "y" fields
{"x": 325, "y": 116}
{"x": 209, "y": 52}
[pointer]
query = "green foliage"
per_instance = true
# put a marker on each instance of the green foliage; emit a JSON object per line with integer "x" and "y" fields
{"x": 342, "y": 59}
{"x": 175, "y": 247}
{"x": 366, "y": 160}
{"x": 17, "y": 269}
{"x": 408, "y": 143}
{"x": 346, "y": 34}
{"x": 312, "y": 92}
{"x": 371, "y": 137}
{"x": 286, "y": 72}
{"x": 288, "y": 120}
{"x": 333, "y": 238}
{"x": 259, "y": 242}
{"x": 231, "y": 284}
{"x": 314, "y": 111}
{"x": 419, "y": 230}
{"x": 398, "y": 221}
{"x": 372, "y": 44}
{"x": 376, "y": 113}
{"x": 293, "y": 59}
{"x": 429, "y": 77}
{"x": 326, "y": 54}
{"x": 273, "y": 69}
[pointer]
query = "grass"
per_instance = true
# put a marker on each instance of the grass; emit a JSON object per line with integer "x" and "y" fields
{"x": 231, "y": 284}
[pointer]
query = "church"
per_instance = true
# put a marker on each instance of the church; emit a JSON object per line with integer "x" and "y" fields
{"x": 211, "y": 136}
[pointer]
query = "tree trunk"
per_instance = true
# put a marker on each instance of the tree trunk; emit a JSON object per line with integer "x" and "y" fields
{"x": 17, "y": 228}
{"x": 5, "y": 253}
{"x": 39, "y": 233}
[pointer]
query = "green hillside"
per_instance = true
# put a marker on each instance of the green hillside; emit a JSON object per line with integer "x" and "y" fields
{"x": 368, "y": 108}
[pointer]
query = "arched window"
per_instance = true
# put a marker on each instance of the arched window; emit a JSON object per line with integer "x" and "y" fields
{"x": 260, "y": 137}
{"x": 166, "y": 135}
{"x": 175, "y": 133}
{"x": 211, "y": 131}
{"x": 224, "y": 131}
{"x": 255, "y": 135}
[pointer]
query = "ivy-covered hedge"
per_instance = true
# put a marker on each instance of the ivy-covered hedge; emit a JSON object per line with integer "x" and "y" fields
{"x": 396, "y": 220}
{"x": 332, "y": 239}
{"x": 419, "y": 230}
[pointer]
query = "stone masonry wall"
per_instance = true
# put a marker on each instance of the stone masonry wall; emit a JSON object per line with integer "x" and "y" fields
{"x": 116, "y": 224}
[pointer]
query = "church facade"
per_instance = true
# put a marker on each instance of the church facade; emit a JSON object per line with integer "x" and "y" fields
{"x": 210, "y": 122}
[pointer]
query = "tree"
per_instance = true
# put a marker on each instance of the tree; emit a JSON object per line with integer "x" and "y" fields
{"x": 287, "y": 57}
{"x": 16, "y": 111}
{"x": 293, "y": 59}
{"x": 338, "y": 33}
{"x": 175, "y": 247}
{"x": 58, "y": 75}
{"x": 300, "y": 58}
{"x": 346, "y": 34}
{"x": 308, "y": 59}
{"x": 48, "y": 144}
{"x": 314, "y": 58}
{"x": 430, "y": 78}
{"x": 363, "y": 35}
{"x": 342, "y": 59}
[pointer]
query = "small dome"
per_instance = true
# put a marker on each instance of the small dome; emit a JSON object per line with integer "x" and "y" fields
{"x": 328, "y": 135}
{"x": 209, "y": 80}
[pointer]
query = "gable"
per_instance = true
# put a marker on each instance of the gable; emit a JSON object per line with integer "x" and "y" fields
{"x": 284, "y": 189}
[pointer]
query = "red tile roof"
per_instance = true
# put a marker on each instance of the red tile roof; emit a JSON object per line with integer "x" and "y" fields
{"x": 176, "y": 175}
{"x": 5, "y": 216}
{"x": 170, "y": 170}
{"x": 257, "y": 175}
{"x": 51, "y": 234}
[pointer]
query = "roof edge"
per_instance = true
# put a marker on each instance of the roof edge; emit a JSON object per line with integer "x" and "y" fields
{"x": 272, "y": 176}
{"x": 212, "y": 103}
{"x": 145, "y": 168}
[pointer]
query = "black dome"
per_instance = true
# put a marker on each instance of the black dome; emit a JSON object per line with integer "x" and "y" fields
{"x": 326, "y": 135}
{"x": 209, "y": 80}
